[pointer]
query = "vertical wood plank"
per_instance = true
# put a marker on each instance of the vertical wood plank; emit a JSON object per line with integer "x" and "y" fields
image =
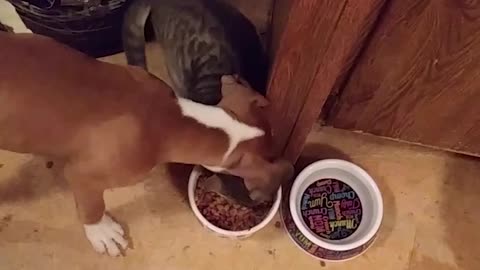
{"x": 320, "y": 40}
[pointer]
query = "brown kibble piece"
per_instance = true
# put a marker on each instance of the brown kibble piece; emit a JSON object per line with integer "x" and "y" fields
{"x": 278, "y": 225}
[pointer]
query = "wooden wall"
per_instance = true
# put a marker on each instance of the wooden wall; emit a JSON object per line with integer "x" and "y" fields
{"x": 419, "y": 78}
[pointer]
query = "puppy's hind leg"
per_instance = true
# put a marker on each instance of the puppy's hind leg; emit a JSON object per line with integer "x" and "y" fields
{"x": 102, "y": 231}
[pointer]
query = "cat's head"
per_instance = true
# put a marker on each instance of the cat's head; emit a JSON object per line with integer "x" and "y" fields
{"x": 256, "y": 160}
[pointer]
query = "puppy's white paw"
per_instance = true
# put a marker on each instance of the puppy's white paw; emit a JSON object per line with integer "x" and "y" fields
{"x": 106, "y": 236}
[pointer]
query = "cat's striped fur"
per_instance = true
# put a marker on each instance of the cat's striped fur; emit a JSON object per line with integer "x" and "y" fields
{"x": 202, "y": 40}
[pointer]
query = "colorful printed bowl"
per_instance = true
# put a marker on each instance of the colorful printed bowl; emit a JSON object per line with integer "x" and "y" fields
{"x": 334, "y": 210}
{"x": 192, "y": 184}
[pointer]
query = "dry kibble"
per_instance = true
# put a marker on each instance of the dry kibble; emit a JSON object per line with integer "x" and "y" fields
{"x": 225, "y": 214}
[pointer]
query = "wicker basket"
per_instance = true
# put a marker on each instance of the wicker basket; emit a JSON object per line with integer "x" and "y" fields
{"x": 91, "y": 26}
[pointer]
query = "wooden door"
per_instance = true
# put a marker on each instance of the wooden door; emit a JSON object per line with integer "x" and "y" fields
{"x": 315, "y": 42}
{"x": 419, "y": 78}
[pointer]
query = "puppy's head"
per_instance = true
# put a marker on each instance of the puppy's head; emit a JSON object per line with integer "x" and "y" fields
{"x": 255, "y": 160}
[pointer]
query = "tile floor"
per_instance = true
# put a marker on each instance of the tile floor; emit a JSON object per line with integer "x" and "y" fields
{"x": 431, "y": 216}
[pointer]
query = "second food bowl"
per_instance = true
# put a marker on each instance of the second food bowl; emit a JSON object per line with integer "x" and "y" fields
{"x": 334, "y": 210}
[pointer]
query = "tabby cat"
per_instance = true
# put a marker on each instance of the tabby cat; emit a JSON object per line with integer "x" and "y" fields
{"x": 202, "y": 40}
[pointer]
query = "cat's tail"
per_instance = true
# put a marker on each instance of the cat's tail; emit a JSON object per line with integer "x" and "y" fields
{"x": 134, "y": 32}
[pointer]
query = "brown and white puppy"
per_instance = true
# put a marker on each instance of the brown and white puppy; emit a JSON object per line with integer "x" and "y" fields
{"x": 112, "y": 124}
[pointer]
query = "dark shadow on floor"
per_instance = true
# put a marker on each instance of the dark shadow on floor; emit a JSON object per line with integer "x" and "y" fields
{"x": 315, "y": 152}
{"x": 35, "y": 179}
{"x": 179, "y": 175}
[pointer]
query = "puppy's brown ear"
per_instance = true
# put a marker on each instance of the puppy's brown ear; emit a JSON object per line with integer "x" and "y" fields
{"x": 260, "y": 101}
{"x": 229, "y": 85}
{"x": 242, "y": 81}
{"x": 229, "y": 79}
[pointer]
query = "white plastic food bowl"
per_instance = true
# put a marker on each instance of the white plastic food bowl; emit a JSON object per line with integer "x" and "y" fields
{"x": 192, "y": 184}
{"x": 356, "y": 240}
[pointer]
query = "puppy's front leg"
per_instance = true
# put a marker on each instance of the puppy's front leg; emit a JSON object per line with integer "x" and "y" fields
{"x": 103, "y": 232}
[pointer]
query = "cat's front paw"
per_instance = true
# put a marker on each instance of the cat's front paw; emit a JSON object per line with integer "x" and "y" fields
{"x": 106, "y": 236}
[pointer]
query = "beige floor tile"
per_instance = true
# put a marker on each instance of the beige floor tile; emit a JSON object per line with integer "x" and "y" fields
{"x": 9, "y": 16}
{"x": 430, "y": 216}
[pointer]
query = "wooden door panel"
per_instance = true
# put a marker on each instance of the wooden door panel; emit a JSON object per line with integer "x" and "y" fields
{"x": 318, "y": 41}
{"x": 419, "y": 78}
